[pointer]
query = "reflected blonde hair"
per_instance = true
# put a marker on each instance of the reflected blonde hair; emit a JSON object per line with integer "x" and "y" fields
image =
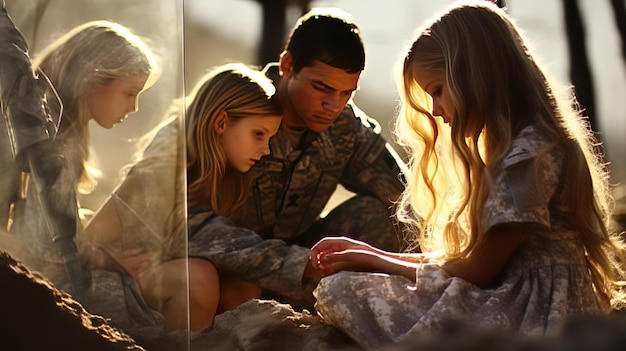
{"x": 241, "y": 92}
{"x": 496, "y": 87}
{"x": 90, "y": 55}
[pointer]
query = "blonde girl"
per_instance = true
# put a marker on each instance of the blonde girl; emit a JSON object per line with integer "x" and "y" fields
{"x": 98, "y": 70}
{"x": 511, "y": 201}
{"x": 229, "y": 117}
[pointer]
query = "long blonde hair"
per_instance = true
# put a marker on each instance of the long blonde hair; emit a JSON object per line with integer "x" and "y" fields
{"x": 241, "y": 92}
{"x": 89, "y": 55}
{"x": 496, "y": 87}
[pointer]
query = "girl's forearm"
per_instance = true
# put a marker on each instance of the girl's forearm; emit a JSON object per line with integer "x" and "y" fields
{"x": 410, "y": 257}
{"x": 404, "y": 256}
{"x": 401, "y": 267}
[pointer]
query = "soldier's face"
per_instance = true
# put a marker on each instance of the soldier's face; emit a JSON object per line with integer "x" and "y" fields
{"x": 315, "y": 96}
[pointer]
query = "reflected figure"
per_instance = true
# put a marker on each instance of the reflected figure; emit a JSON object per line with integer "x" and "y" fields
{"x": 97, "y": 71}
{"x": 140, "y": 231}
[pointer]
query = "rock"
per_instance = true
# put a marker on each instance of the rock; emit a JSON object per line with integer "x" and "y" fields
{"x": 268, "y": 325}
{"x": 37, "y": 316}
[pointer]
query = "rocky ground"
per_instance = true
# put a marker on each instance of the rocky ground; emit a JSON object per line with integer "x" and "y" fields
{"x": 36, "y": 316}
{"x": 267, "y": 325}
{"x": 259, "y": 326}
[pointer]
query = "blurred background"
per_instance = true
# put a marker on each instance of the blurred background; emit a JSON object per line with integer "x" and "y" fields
{"x": 191, "y": 36}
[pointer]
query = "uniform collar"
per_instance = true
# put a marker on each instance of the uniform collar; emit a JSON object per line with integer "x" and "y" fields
{"x": 272, "y": 71}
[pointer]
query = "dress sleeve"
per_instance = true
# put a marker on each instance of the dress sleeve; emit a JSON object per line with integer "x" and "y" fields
{"x": 272, "y": 264}
{"x": 524, "y": 183}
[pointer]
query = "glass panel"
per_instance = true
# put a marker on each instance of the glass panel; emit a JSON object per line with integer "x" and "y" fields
{"x": 90, "y": 202}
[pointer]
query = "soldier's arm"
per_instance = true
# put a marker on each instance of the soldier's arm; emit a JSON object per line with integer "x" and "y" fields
{"x": 241, "y": 253}
{"x": 375, "y": 167}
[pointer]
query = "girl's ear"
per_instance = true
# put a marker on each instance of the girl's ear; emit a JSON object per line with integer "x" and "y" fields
{"x": 220, "y": 122}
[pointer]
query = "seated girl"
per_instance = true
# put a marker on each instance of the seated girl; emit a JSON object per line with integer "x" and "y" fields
{"x": 510, "y": 200}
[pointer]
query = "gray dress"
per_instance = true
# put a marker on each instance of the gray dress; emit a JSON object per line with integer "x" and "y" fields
{"x": 545, "y": 283}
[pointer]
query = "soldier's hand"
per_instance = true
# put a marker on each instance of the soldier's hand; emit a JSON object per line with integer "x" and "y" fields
{"x": 311, "y": 274}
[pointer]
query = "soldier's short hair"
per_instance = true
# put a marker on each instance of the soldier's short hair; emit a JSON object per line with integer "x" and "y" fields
{"x": 329, "y": 35}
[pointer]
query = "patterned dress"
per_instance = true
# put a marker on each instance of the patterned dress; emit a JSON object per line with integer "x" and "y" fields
{"x": 545, "y": 282}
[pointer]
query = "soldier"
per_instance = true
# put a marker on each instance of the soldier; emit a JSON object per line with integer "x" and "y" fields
{"x": 324, "y": 141}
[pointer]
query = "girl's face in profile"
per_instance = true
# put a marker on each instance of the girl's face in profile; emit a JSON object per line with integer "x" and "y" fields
{"x": 433, "y": 83}
{"x": 247, "y": 140}
{"x": 111, "y": 102}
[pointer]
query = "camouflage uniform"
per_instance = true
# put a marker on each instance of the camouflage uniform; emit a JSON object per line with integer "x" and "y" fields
{"x": 291, "y": 187}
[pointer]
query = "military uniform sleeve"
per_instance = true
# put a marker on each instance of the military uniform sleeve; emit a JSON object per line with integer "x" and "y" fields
{"x": 374, "y": 168}
{"x": 241, "y": 253}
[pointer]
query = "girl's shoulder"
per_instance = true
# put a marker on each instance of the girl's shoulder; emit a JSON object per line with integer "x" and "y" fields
{"x": 529, "y": 143}
{"x": 162, "y": 140}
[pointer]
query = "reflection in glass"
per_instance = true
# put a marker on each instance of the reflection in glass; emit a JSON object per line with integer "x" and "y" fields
{"x": 91, "y": 163}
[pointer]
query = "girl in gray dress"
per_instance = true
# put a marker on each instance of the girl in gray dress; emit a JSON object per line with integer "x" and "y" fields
{"x": 511, "y": 202}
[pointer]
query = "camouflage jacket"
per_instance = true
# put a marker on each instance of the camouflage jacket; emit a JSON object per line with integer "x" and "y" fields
{"x": 291, "y": 187}
{"x": 294, "y": 183}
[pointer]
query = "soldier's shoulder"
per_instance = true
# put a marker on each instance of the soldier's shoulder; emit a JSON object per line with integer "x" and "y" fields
{"x": 353, "y": 117}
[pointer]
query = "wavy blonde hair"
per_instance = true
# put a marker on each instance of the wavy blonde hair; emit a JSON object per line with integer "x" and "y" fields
{"x": 496, "y": 87}
{"x": 241, "y": 92}
{"x": 89, "y": 55}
